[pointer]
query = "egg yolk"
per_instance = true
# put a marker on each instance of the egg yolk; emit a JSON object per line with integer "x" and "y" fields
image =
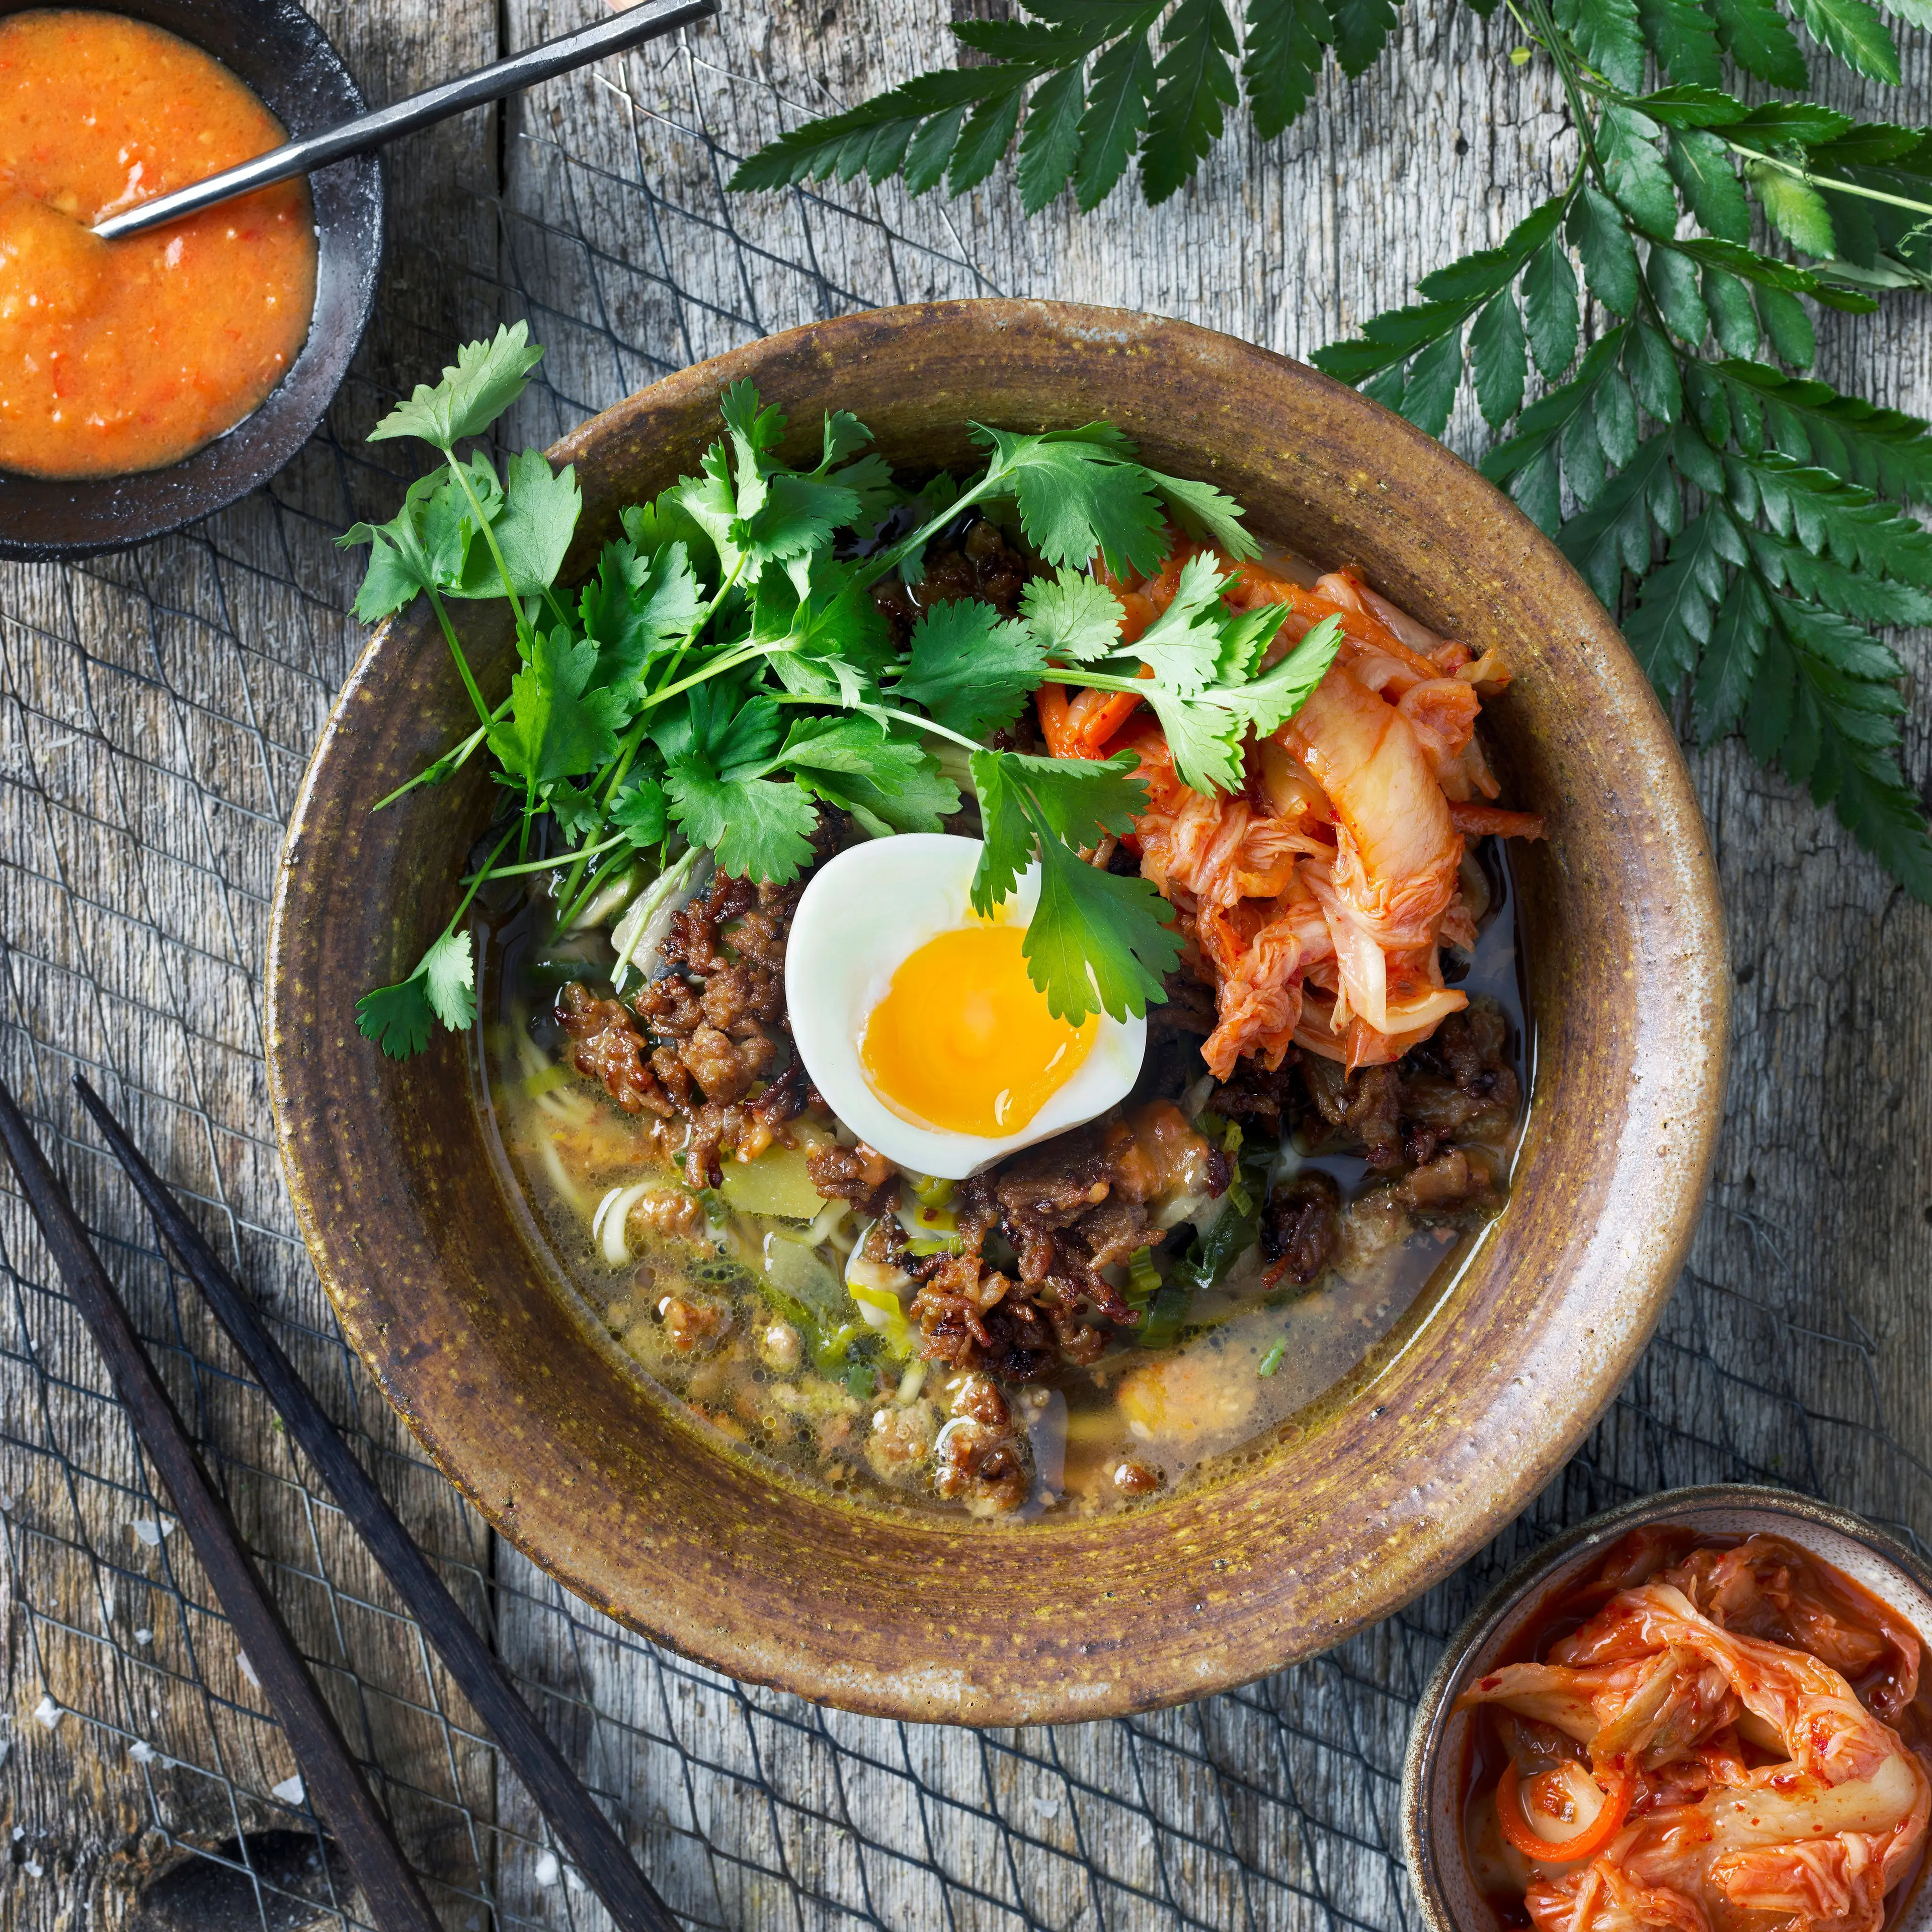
{"x": 963, "y": 1040}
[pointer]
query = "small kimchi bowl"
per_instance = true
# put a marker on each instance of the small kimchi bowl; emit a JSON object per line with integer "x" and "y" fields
{"x": 1437, "y": 1771}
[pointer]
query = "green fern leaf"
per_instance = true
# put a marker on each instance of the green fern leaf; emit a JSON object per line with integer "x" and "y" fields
{"x": 1731, "y": 659}
{"x": 1830, "y": 517}
{"x": 1285, "y": 41}
{"x": 1194, "y": 86}
{"x": 1362, "y": 29}
{"x": 1116, "y": 100}
{"x": 1752, "y": 32}
{"x": 1684, "y": 36}
{"x": 1609, "y": 35}
{"x": 1856, "y": 594}
{"x": 1853, "y": 31}
{"x": 1050, "y": 144}
{"x": 1614, "y": 535}
{"x": 1883, "y": 449}
{"x": 1671, "y": 626}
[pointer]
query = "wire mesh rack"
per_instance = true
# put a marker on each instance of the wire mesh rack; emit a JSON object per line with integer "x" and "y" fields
{"x": 156, "y": 712}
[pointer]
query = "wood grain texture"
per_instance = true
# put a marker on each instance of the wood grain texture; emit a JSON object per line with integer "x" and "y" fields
{"x": 1828, "y": 1132}
{"x": 158, "y": 709}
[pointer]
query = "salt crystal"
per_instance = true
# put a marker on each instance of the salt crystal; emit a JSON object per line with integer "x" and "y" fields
{"x": 47, "y": 1712}
{"x": 144, "y": 1636}
{"x": 247, "y": 1669}
{"x": 547, "y": 1869}
{"x": 289, "y": 1791}
{"x": 150, "y": 1530}
{"x": 34, "y": 1868}
{"x": 142, "y": 1752}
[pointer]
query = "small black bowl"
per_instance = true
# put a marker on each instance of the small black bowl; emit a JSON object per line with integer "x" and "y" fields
{"x": 280, "y": 52}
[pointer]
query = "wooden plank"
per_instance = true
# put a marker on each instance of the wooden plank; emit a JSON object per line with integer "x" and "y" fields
{"x": 1290, "y": 243}
{"x": 158, "y": 710}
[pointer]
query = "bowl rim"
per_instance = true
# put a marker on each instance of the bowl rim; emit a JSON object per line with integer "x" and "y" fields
{"x": 1441, "y": 1510}
{"x": 1594, "y": 1534}
{"x": 200, "y": 483}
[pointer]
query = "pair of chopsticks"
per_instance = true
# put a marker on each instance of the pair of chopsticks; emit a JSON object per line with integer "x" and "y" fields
{"x": 329, "y": 1773}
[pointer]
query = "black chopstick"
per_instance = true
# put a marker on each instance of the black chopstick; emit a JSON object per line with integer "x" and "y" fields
{"x": 602, "y": 1859}
{"x": 329, "y": 1774}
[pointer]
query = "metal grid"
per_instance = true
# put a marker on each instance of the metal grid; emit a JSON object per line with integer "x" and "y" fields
{"x": 156, "y": 710}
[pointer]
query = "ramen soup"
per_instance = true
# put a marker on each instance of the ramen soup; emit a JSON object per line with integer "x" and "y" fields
{"x": 1283, "y": 1178}
{"x": 117, "y": 356}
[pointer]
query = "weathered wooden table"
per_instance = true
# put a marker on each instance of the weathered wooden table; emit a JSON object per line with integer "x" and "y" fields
{"x": 156, "y": 711}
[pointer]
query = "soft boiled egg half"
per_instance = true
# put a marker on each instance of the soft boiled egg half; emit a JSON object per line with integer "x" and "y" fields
{"x": 916, "y": 1019}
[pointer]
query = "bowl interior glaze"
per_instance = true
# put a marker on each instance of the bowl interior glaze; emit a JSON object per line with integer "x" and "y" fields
{"x": 287, "y": 60}
{"x": 1346, "y": 1513}
{"x": 1432, "y": 1775}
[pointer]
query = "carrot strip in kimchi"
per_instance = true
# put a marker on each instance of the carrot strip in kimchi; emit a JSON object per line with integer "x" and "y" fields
{"x": 1318, "y": 897}
{"x": 1731, "y": 1741}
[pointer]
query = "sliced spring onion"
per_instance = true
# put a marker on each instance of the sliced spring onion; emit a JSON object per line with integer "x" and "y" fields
{"x": 641, "y": 928}
{"x": 1271, "y": 1360}
{"x": 932, "y": 1192}
{"x": 1142, "y": 1276}
{"x": 547, "y": 1079}
{"x": 935, "y": 1244}
{"x": 881, "y": 1308}
{"x": 1163, "y": 1321}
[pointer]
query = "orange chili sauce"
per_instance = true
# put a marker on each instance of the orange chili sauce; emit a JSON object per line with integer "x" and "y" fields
{"x": 1567, "y": 1606}
{"x": 126, "y": 356}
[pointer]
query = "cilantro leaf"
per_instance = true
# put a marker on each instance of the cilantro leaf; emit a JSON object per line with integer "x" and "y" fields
{"x": 971, "y": 670}
{"x": 888, "y": 783}
{"x": 1078, "y": 496}
{"x": 637, "y": 811}
{"x": 448, "y": 969}
{"x": 638, "y": 606}
{"x": 400, "y": 1018}
{"x": 1204, "y": 740}
{"x": 1206, "y": 514}
{"x": 1075, "y": 618}
{"x": 1096, "y": 941}
{"x": 1081, "y": 800}
{"x": 557, "y": 728}
{"x": 758, "y": 829}
{"x": 1182, "y": 645}
{"x": 487, "y": 378}
{"x": 1265, "y": 703}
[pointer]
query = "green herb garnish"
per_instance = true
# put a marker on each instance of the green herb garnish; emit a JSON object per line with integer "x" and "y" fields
{"x": 1271, "y": 1360}
{"x": 723, "y": 672}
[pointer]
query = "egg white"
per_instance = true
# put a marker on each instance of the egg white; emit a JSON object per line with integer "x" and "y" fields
{"x": 864, "y": 912}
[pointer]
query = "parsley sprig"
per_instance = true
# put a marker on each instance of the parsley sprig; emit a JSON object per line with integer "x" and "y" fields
{"x": 725, "y": 672}
{"x": 1781, "y": 504}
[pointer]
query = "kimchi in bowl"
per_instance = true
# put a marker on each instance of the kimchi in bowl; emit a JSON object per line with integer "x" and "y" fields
{"x": 1350, "y": 1498}
{"x": 1737, "y": 1671}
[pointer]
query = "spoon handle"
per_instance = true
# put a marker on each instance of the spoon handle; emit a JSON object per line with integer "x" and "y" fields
{"x": 624, "y": 30}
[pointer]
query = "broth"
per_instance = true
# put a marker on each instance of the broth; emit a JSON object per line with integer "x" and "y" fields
{"x": 1137, "y": 1422}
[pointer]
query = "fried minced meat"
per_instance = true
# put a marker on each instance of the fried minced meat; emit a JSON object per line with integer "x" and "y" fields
{"x": 708, "y": 1042}
{"x": 1301, "y": 1227}
{"x": 1068, "y": 1209}
{"x": 973, "y": 560}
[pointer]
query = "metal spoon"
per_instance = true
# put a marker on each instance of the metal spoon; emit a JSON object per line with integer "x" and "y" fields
{"x": 627, "y": 29}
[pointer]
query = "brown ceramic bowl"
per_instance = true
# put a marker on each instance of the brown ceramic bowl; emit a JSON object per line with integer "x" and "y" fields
{"x": 1435, "y": 1772}
{"x": 442, "y": 1285}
